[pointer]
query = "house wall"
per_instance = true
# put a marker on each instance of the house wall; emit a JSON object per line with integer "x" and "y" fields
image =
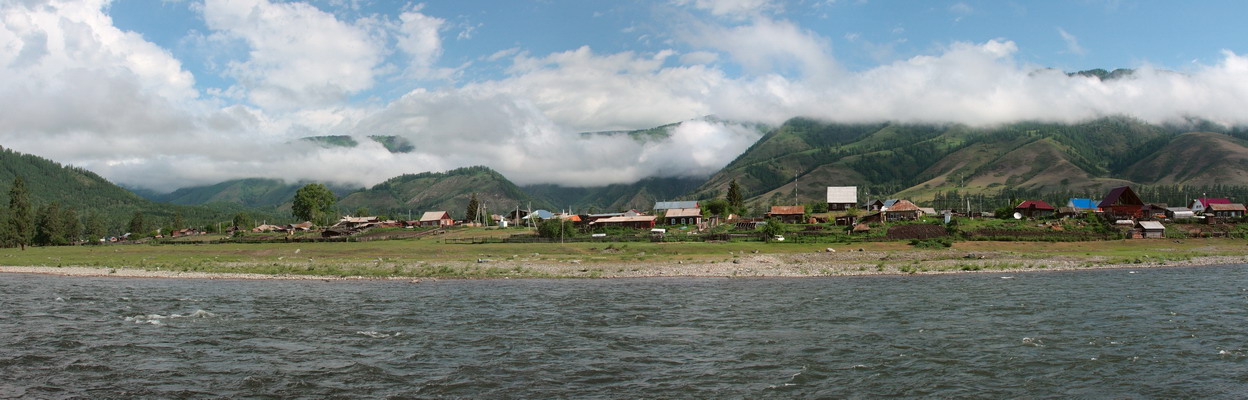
{"x": 840, "y": 206}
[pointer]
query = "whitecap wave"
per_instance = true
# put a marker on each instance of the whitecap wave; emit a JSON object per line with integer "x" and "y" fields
{"x": 378, "y": 335}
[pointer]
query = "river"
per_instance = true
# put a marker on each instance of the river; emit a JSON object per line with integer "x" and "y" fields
{"x": 1147, "y": 333}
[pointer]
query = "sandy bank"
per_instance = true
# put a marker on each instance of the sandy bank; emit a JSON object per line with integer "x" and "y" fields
{"x": 847, "y": 263}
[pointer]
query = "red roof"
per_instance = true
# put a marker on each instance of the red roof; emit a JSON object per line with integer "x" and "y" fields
{"x": 1208, "y": 201}
{"x": 1121, "y": 196}
{"x": 1036, "y": 204}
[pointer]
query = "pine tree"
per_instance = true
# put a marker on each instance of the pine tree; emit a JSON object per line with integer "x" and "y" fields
{"x": 95, "y": 227}
{"x": 473, "y": 206}
{"x": 21, "y": 217}
{"x": 734, "y": 196}
{"x": 136, "y": 224}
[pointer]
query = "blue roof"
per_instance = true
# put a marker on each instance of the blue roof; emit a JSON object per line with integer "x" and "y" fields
{"x": 543, "y": 214}
{"x": 1086, "y": 204}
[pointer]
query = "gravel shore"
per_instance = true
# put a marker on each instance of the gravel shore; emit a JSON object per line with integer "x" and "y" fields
{"x": 828, "y": 263}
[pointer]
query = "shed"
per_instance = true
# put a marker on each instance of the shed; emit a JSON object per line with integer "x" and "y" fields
{"x": 1152, "y": 229}
{"x": 842, "y": 197}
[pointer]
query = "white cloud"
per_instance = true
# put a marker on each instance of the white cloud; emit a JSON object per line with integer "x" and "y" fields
{"x": 767, "y": 45}
{"x": 299, "y": 55}
{"x": 79, "y": 90}
{"x": 1072, "y": 42}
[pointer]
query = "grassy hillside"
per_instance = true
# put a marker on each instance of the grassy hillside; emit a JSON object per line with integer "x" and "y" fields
{"x": 87, "y": 193}
{"x": 440, "y": 191}
{"x": 252, "y": 192}
{"x": 640, "y": 195}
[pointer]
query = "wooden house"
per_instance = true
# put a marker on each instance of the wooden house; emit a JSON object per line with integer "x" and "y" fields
{"x": 874, "y": 205}
{"x": 1034, "y": 209}
{"x": 683, "y": 216}
{"x": 1219, "y": 210}
{"x": 436, "y": 218}
{"x": 1122, "y": 203}
{"x": 901, "y": 210}
{"x": 842, "y": 197}
{"x": 1198, "y": 206}
{"x": 787, "y": 214}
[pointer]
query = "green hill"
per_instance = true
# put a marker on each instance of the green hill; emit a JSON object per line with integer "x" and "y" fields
{"x": 921, "y": 161}
{"x": 251, "y": 192}
{"x": 440, "y": 191}
{"x": 640, "y": 195}
{"x": 87, "y": 193}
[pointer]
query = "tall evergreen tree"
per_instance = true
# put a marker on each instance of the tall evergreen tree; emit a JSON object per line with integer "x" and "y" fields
{"x": 470, "y": 214}
{"x": 21, "y": 217}
{"x": 734, "y": 196}
{"x": 71, "y": 226}
{"x": 48, "y": 226}
{"x": 95, "y": 227}
{"x": 137, "y": 226}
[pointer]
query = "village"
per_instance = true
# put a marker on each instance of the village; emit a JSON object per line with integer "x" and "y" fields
{"x": 1121, "y": 213}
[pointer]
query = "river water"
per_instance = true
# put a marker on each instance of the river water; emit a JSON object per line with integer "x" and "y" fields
{"x": 1148, "y": 333}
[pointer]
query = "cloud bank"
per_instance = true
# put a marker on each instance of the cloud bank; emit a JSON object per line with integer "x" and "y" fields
{"x": 81, "y": 91}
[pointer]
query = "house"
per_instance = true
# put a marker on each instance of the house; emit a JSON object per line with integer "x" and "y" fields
{"x": 888, "y": 203}
{"x": 1034, "y": 209}
{"x": 842, "y": 197}
{"x": 436, "y": 218}
{"x": 1122, "y": 203}
{"x": 1232, "y": 210}
{"x": 874, "y": 205}
{"x": 845, "y": 220}
{"x": 1198, "y": 206}
{"x": 900, "y": 210}
{"x": 683, "y": 216}
{"x": 636, "y": 222}
{"x": 671, "y": 205}
{"x": 787, "y": 214}
{"x": 1179, "y": 213}
{"x": 1081, "y": 205}
{"x": 1151, "y": 229}
{"x": 927, "y": 211}
{"x": 300, "y": 227}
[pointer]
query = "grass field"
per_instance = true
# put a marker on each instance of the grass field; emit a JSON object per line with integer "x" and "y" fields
{"x": 431, "y": 257}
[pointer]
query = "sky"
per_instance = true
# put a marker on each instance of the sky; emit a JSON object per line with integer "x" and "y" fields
{"x": 178, "y": 93}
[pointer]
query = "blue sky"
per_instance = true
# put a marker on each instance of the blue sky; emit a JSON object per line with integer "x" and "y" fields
{"x": 184, "y": 92}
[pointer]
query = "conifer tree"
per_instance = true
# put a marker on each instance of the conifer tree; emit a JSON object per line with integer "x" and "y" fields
{"x": 734, "y": 196}
{"x": 136, "y": 224}
{"x": 21, "y": 217}
{"x": 470, "y": 214}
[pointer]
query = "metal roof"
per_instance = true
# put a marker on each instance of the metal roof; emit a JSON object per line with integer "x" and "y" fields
{"x": 1152, "y": 225}
{"x": 668, "y": 205}
{"x": 683, "y": 212}
{"x": 787, "y": 210}
{"x": 434, "y": 216}
{"x": 1086, "y": 204}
